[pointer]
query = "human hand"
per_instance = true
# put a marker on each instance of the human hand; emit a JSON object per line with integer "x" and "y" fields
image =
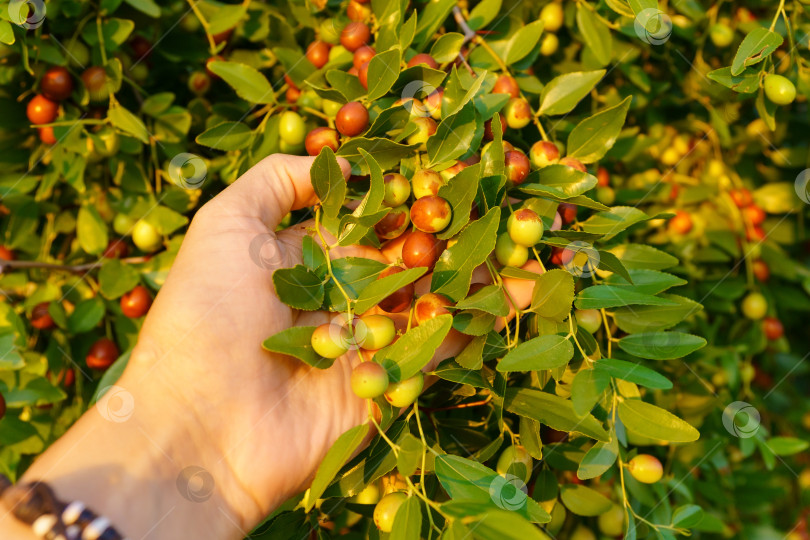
{"x": 206, "y": 395}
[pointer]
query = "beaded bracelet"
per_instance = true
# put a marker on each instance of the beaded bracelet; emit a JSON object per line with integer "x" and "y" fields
{"x": 36, "y": 505}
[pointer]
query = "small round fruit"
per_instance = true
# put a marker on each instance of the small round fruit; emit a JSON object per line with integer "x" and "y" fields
{"x": 199, "y": 82}
{"x": 357, "y": 11}
{"x": 525, "y": 227}
{"x": 681, "y": 223}
{"x": 291, "y": 128}
{"x": 354, "y": 35}
{"x": 426, "y": 127}
{"x": 754, "y": 214}
{"x": 741, "y": 197}
{"x": 330, "y": 108}
{"x": 41, "y": 110}
{"x": 123, "y": 224}
{"x": 116, "y": 249}
{"x": 506, "y": 84}
{"x": 95, "y": 80}
{"x": 362, "y": 55}
{"x": 582, "y": 533}
{"x": 543, "y": 153}
{"x": 518, "y": 113}
{"x": 549, "y": 44}
{"x": 423, "y": 58}
{"x": 602, "y": 177}
{"x": 404, "y": 393}
{"x": 102, "y": 354}
{"x": 761, "y": 271}
{"x": 721, "y": 35}
{"x": 369, "y": 380}
{"x": 611, "y": 523}
{"x": 369, "y": 495}
{"x": 40, "y": 318}
{"x": 110, "y": 142}
{"x": 573, "y": 163}
{"x": 57, "y": 83}
{"x": 429, "y": 306}
{"x": 318, "y": 53}
{"x": 421, "y": 249}
{"x": 646, "y": 469}
{"x": 426, "y": 182}
{"x": 589, "y": 319}
{"x": 394, "y": 224}
{"x": 352, "y": 119}
{"x": 552, "y": 17}
{"x": 330, "y": 340}
{"x": 517, "y": 461}
{"x": 754, "y": 306}
{"x": 320, "y": 137}
{"x": 780, "y": 90}
{"x": 397, "y": 189}
{"x": 568, "y": 212}
{"x": 433, "y": 103}
{"x": 399, "y": 300}
{"x": 773, "y": 328}
{"x": 46, "y": 135}
{"x": 146, "y": 237}
{"x": 386, "y": 510}
{"x": 431, "y": 214}
{"x": 605, "y": 195}
{"x": 509, "y": 253}
{"x": 517, "y": 166}
{"x": 488, "y": 134}
{"x": 136, "y": 302}
{"x": 375, "y": 332}
{"x": 6, "y": 254}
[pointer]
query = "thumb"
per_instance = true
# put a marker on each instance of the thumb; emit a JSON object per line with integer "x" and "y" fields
{"x": 272, "y": 188}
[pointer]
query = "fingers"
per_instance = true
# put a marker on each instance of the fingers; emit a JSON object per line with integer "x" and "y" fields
{"x": 272, "y": 188}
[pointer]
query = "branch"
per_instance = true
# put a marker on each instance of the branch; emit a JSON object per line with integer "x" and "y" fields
{"x": 73, "y": 269}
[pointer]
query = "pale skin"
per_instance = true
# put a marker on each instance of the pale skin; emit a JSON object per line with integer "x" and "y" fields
{"x": 205, "y": 394}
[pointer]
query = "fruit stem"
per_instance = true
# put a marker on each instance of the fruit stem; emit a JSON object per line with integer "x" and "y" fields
{"x": 478, "y": 40}
{"x": 329, "y": 265}
{"x": 392, "y": 444}
{"x": 609, "y": 335}
{"x": 779, "y": 11}
{"x": 103, "y": 48}
{"x": 574, "y": 336}
{"x": 424, "y": 457}
{"x": 211, "y": 43}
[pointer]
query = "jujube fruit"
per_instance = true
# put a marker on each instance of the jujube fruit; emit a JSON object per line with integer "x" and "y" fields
{"x": 611, "y": 523}
{"x": 589, "y": 319}
{"x": 754, "y": 214}
{"x": 431, "y": 214}
{"x": 423, "y": 58}
{"x": 320, "y": 137}
{"x": 506, "y": 84}
{"x": 518, "y": 113}
{"x": 646, "y": 468}
{"x": 357, "y": 11}
{"x": 779, "y": 89}
{"x": 721, "y": 35}
{"x": 433, "y": 103}
{"x": 568, "y": 212}
{"x": 369, "y": 380}
{"x": 136, "y": 302}
{"x": 46, "y": 135}
{"x": 549, "y": 44}
{"x": 394, "y": 224}
{"x": 741, "y": 197}
{"x": 543, "y": 153}
{"x": 429, "y": 306}
{"x": 772, "y": 328}
{"x": 573, "y": 163}
{"x": 116, "y": 249}
{"x": 362, "y": 55}
{"x": 681, "y": 223}
{"x": 102, "y": 354}
{"x": 146, "y": 237}
{"x": 95, "y": 80}
{"x": 525, "y": 227}
{"x": 761, "y": 271}
{"x": 330, "y": 340}
{"x": 404, "y": 393}
{"x": 199, "y": 82}
{"x": 517, "y": 166}
{"x": 352, "y": 119}
{"x": 41, "y": 110}
{"x": 426, "y": 127}
{"x": 602, "y": 177}
{"x": 397, "y": 189}
{"x": 754, "y": 306}
{"x": 386, "y": 510}
{"x": 40, "y": 318}
{"x": 517, "y": 461}
{"x": 6, "y": 254}
{"x": 399, "y": 300}
{"x": 354, "y": 35}
{"x": 488, "y": 134}
{"x": 318, "y": 53}
{"x": 374, "y": 332}
{"x": 291, "y": 128}
{"x": 552, "y": 17}
{"x": 426, "y": 182}
{"x": 57, "y": 83}
{"x": 509, "y": 253}
{"x": 362, "y": 74}
{"x": 421, "y": 249}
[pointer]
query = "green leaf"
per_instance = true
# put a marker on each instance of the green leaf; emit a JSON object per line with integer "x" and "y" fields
{"x": 385, "y": 152}
{"x": 226, "y": 136}
{"x": 654, "y": 422}
{"x": 447, "y": 47}
{"x": 336, "y": 457}
{"x": 299, "y": 287}
{"x": 643, "y": 281}
{"x": 353, "y": 227}
{"x": 596, "y": 35}
{"x": 746, "y": 82}
{"x": 453, "y": 137}
{"x": 654, "y": 318}
{"x": 609, "y": 261}
{"x": 410, "y": 353}
{"x": 86, "y": 316}
{"x": 383, "y": 71}
{"x": 381, "y": 288}
{"x": 498, "y": 524}
{"x": 563, "y": 180}
{"x": 408, "y": 520}
{"x": 410, "y": 454}
{"x": 590, "y": 140}
{"x": 661, "y": 345}
{"x": 354, "y": 274}
{"x": 453, "y": 271}
{"x": 460, "y": 192}
{"x": 756, "y": 47}
{"x": 787, "y": 446}
{"x": 634, "y": 373}
{"x": 483, "y": 14}
{"x": 608, "y": 296}
{"x": 490, "y": 299}
{"x": 91, "y": 230}
{"x": 9, "y": 357}
{"x": 584, "y": 501}
{"x": 166, "y": 220}
{"x": 346, "y": 84}
{"x": 587, "y": 389}
{"x": 296, "y": 342}
{"x": 116, "y": 278}
{"x": 687, "y": 516}
{"x": 312, "y": 254}
{"x": 328, "y": 182}
{"x": 562, "y": 93}
{"x": 522, "y": 42}
{"x": 614, "y": 221}
{"x": 553, "y": 295}
{"x": 598, "y": 459}
{"x": 553, "y": 411}
{"x": 431, "y": 16}
{"x": 247, "y": 81}
{"x": 638, "y": 256}
{"x": 127, "y": 122}
{"x": 544, "y": 352}
{"x": 6, "y": 33}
